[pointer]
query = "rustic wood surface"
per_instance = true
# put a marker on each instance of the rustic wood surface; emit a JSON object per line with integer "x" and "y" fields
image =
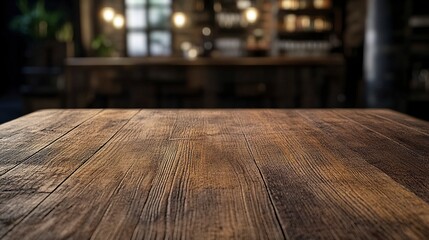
{"x": 214, "y": 174}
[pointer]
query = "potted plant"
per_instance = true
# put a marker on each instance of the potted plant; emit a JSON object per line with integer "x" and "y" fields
{"x": 47, "y": 31}
{"x": 36, "y": 22}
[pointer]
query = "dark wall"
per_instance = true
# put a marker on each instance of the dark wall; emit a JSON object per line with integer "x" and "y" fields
{"x": 12, "y": 48}
{"x": 15, "y": 44}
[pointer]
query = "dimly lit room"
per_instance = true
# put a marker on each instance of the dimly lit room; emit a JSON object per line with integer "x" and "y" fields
{"x": 215, "y": 54}
{"x": 218, "y": 119}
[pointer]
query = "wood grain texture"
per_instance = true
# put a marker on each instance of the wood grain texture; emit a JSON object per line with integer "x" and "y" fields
{"x": 24, "y": 137}
{"x": 402, "y": 119}
{"x": 40, "y": 174}
{"x": 216, "y": 174}
{"x": 321, "y": 189}
{"x": 407, "y": 137}
{"x": 392, "y": 157}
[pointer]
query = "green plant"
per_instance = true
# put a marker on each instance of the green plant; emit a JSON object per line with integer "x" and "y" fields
{"x": 37, "y": 22}
{"x": 102, "y": 46}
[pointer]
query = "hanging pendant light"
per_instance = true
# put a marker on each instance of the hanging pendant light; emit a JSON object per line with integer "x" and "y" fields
{"x": 251, "y": 14}
{"x": 179, "y": 19}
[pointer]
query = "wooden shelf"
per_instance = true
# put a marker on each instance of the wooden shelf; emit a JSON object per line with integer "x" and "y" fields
{"x": 332, "y": 24}
{"x": 301, "y": 35}
{"x": 232, "y": 30}
{"x": 307, "y": 11}
{"x": 271, "y": 17}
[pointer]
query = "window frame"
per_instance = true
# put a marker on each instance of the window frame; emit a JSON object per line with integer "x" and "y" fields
{"x": 149, "y": 29}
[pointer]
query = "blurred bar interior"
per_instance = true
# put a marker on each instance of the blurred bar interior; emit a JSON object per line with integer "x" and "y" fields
{"x": 215, "y": 54}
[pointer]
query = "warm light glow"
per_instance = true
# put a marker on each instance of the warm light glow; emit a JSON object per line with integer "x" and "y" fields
{"x": 192, "y": 53}
{"x": 243, "y": 4}
{"x": 108, "y": 14}
{"x": 185, "y": 46}
{"x": 290, "y": 4}
{"x": 179, "y": 19}
{"x": 217, "y": 7}
{"x": 206, "y": 31}
{"x": 318, "y": 3}
{"x": 251, "y": 15}
{"x": 321, "y": 4}
{"x": 290, "y": 22}
{"x": 305, "y": 22}
{"x": 319, "y": 24}
{"x": 118, "y": 21}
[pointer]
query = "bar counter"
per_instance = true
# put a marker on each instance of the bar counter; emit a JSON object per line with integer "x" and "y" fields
{"x": 214, "y": 174}
{"x": 314, "y": 82}
{"x": 330, "y": 60}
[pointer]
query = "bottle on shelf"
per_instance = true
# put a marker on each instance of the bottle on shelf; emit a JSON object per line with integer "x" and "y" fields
{"x": 305, "y": 4}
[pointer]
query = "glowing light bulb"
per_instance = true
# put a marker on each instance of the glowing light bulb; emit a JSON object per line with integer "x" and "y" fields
{"x": 179, "y": 19}
{"x": 108, "y": 14}
{"x": 192, "y": 53}
{"x": 251, "y": 15}
{"x": 118, "y": 21}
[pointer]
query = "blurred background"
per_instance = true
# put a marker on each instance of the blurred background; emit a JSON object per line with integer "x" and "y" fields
{"x": 215, "y": 54}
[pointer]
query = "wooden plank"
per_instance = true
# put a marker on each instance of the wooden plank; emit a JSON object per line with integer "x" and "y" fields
{"x": 26, "y": 136}
{"x": 212, "y": 178}
{"x": 30, "y": 182}
{"x": 141, "y": 186}
{"x": 77, "y": 206}
{"x": 322, "y": 194}
{"x": 248, "y": 174}
{"x": 15, "y": 205}
{"x": 409, "y": 138}
{"x": 411, "y": 122}
{"x": 45, "y": 170}
{"x": 51, "y": 119}
{"x": 13, "y": 127}
{"x": 354, "y": 140}
{"x": 390, "y": 157}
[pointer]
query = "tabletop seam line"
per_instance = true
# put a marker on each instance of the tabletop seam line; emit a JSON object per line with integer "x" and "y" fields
{"x": 109, "y": 204}
{"x": 276, "y": 214}
{"x": 86, "y": 161}
{"x": 120, "y": 182}
{"x": 68, "y": 177}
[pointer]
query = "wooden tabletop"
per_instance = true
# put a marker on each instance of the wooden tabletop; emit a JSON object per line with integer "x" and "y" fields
{"x": 214, "y": 174}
